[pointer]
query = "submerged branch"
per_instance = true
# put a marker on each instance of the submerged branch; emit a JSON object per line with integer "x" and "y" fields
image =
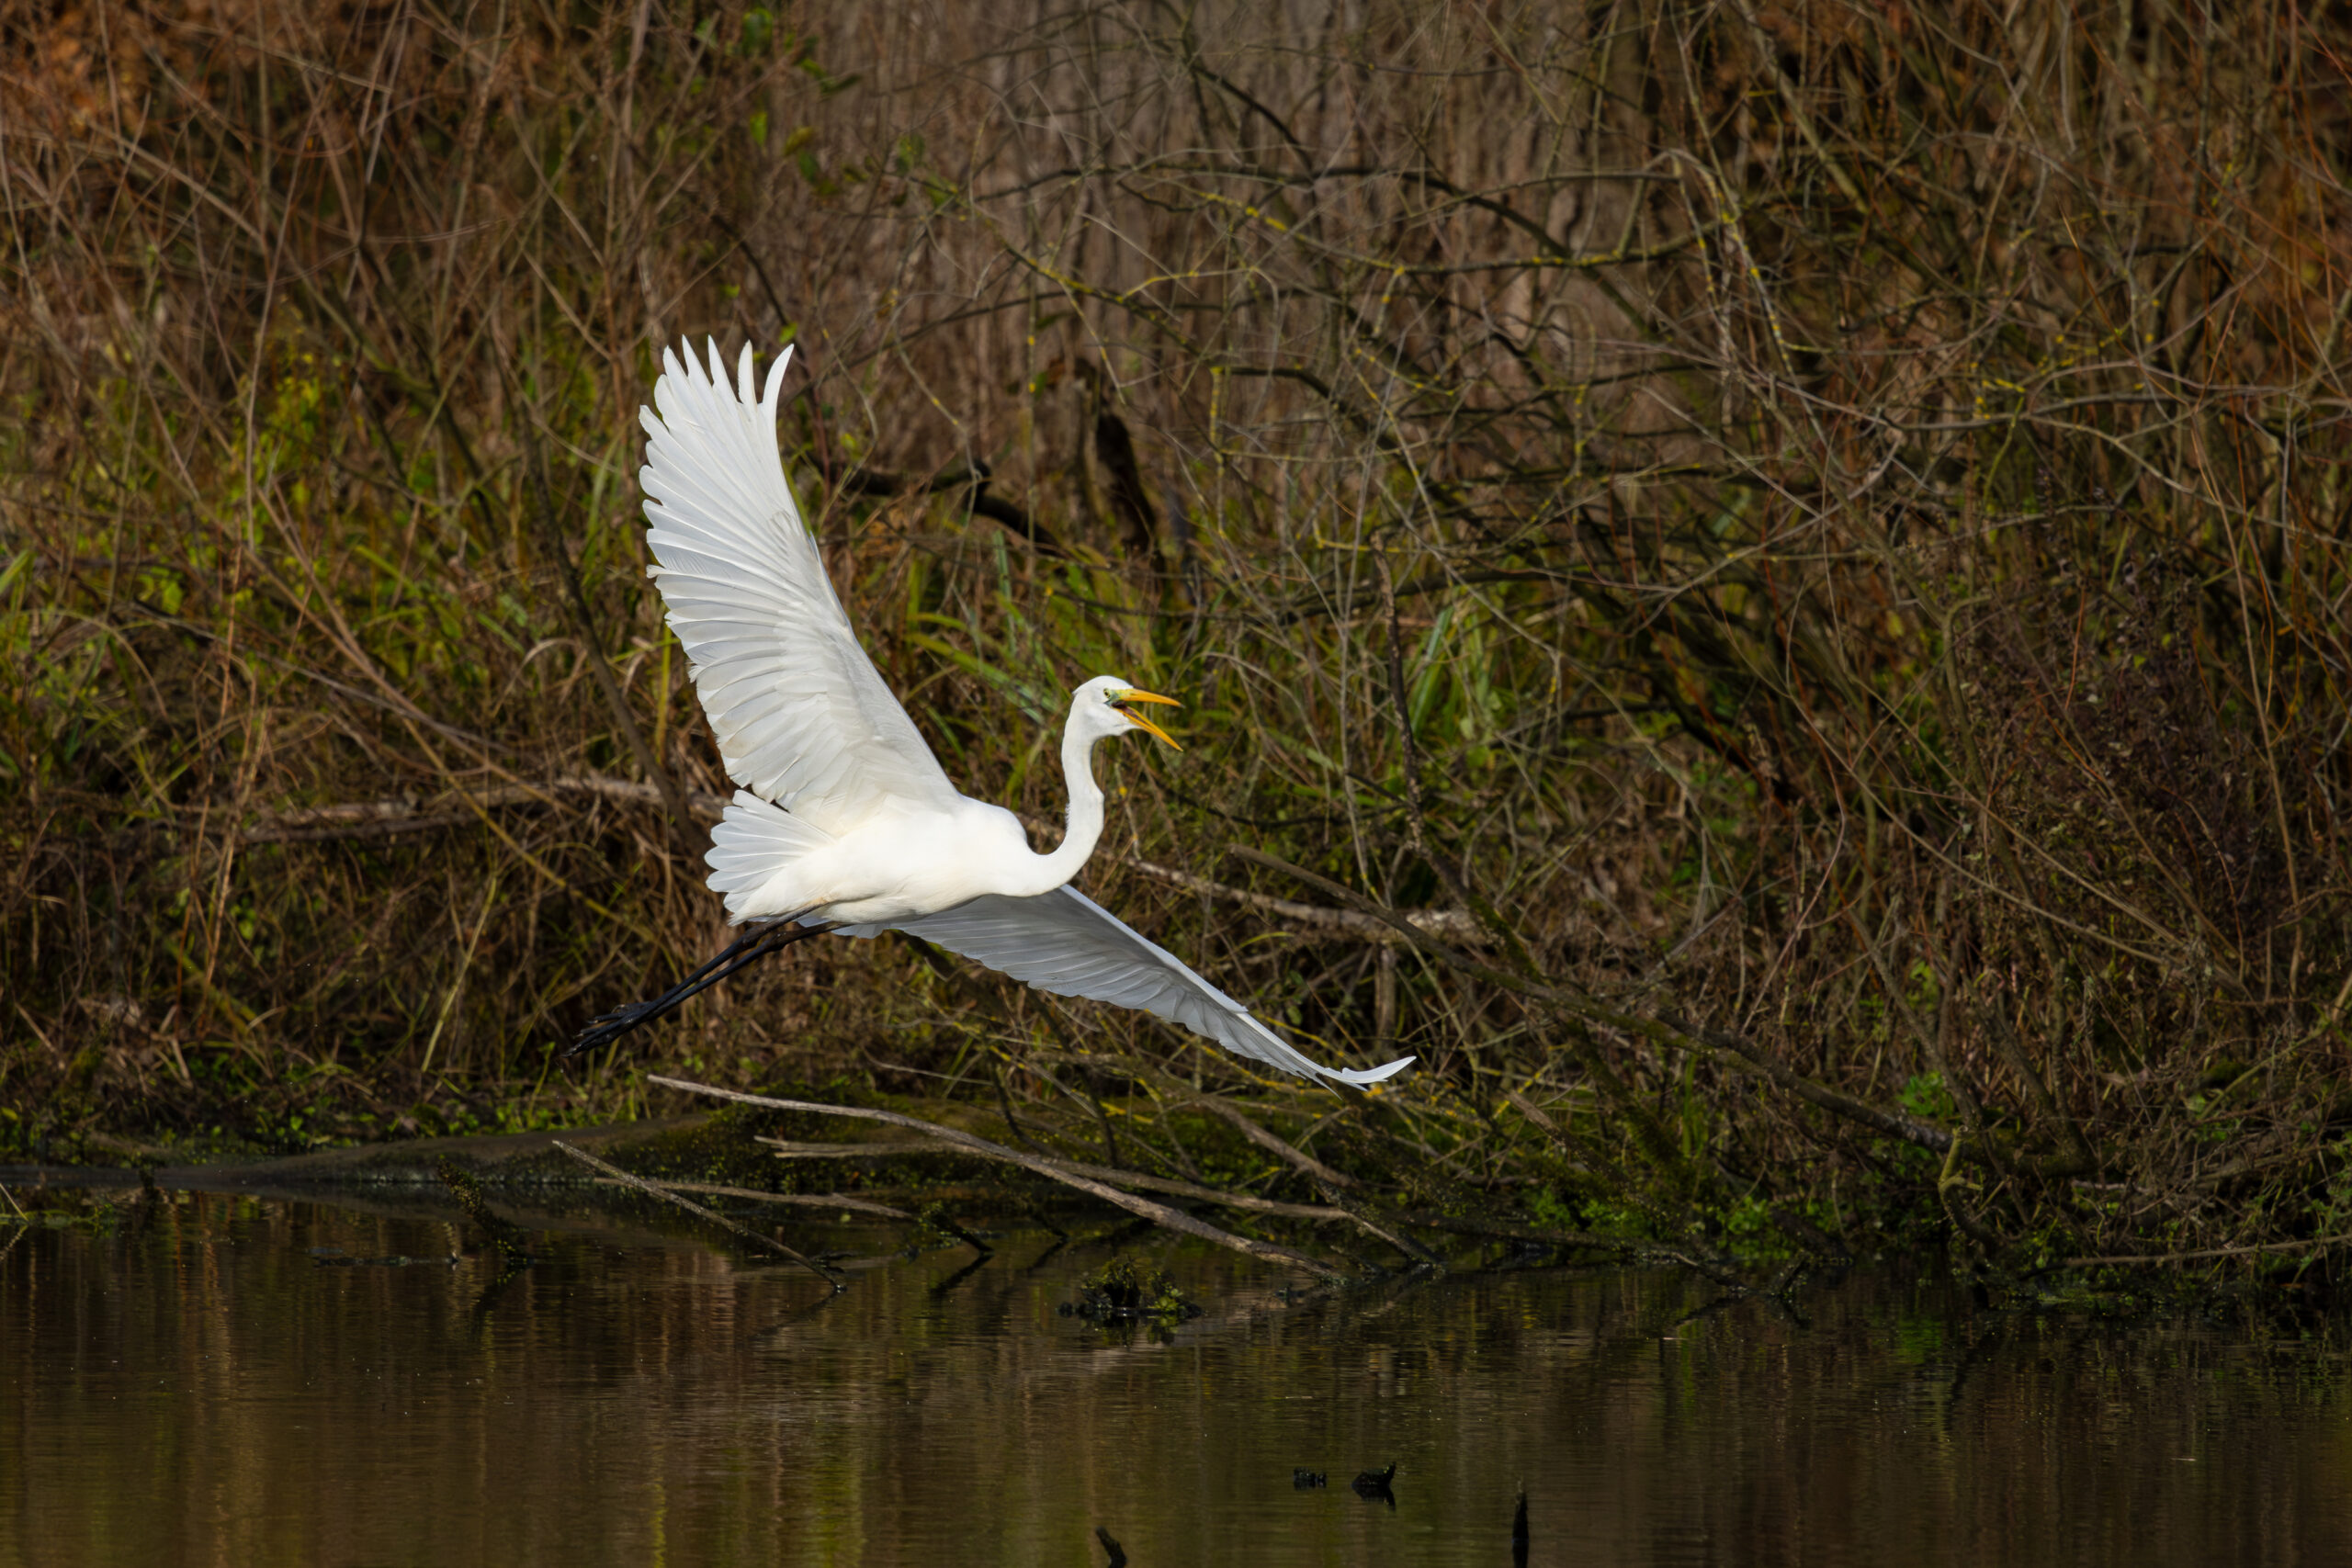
{"x": 654, "y": 1190}
{"x": 754, "y": 1194}
{"x": 1063, "y": 1169}
{"x": 1159, "y": 1213}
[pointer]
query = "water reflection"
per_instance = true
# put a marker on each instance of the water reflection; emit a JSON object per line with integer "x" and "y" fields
{"x": 258, "y": 1382}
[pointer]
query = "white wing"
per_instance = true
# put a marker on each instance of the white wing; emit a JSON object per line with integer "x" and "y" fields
{"x": 801, "y": 716}
{"x": 1065, "y": 943}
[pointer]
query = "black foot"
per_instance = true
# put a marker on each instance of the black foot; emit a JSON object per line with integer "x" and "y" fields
{"x": 752, "y": 946}
{"x": 609, "y": 1026}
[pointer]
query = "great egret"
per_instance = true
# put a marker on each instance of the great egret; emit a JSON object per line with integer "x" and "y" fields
{"x": 843, "y": 821}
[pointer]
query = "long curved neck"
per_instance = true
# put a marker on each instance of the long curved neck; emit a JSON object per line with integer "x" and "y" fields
{"x": 1085, "y": 810}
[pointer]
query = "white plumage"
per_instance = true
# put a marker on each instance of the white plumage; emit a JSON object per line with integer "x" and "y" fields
{"x": 843, "y": 815}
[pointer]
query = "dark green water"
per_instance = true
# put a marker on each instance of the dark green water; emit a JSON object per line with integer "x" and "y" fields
{"x": 227, "y": 1385}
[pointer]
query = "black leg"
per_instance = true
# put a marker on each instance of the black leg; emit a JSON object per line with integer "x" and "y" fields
{"x": 752, "y": 947}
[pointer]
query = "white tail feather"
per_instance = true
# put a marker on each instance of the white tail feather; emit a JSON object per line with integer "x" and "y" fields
{"x": 754, "y": 846}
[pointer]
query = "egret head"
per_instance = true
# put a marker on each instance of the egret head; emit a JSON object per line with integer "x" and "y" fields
{"x": 1105, "y": 706}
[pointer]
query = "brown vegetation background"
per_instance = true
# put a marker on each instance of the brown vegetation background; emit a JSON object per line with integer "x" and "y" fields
{"x": 1807, "y": 539}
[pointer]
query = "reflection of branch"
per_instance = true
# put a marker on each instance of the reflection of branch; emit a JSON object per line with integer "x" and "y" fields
{"x": 606, "y": 1168}
{"x": 803, "y": 1200}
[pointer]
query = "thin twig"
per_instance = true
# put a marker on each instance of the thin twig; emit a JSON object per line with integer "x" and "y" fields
{"x": 1280, "y": 1147}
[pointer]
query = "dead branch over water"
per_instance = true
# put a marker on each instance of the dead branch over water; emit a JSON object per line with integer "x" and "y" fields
{"x": 1803, "y": 545}
{"x": 1080, "y": 1180}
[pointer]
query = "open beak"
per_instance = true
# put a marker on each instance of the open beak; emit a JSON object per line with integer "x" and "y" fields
{"x": 1131, "y": 695}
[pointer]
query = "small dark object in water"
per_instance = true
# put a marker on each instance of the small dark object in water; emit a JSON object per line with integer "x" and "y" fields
{"x": 1302, "y": 1480}
{"x": 1123, "y": 1291}
{"x": 1372, "y": 1484}
{"x": 335, "y": 1257}
{"x": 1111, "y": 1545}
{"x": 1518, "y": 1534}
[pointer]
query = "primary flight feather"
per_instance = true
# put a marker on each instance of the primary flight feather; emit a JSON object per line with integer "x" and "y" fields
{"x": 843, "y": 821}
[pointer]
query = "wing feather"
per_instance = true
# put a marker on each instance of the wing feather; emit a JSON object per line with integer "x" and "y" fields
{"x": 1065, "y": 943}
{"x": 801, "y": 716}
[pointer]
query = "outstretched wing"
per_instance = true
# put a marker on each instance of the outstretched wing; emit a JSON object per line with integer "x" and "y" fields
{"x": 801, "y": 716}
{"x": 1065, "y": 943}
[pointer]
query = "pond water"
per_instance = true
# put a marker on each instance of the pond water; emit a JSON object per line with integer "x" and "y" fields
{"x": 260, "y": 1380}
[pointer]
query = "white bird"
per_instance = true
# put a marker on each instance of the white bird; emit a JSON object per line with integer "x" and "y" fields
{"x": 843, "y": 821}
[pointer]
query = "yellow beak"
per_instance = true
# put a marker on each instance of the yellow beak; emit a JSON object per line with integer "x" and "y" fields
{"x": 1121, "y": 699}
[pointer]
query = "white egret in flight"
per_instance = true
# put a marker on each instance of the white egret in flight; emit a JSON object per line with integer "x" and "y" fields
{"x": 843, "y": 821}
